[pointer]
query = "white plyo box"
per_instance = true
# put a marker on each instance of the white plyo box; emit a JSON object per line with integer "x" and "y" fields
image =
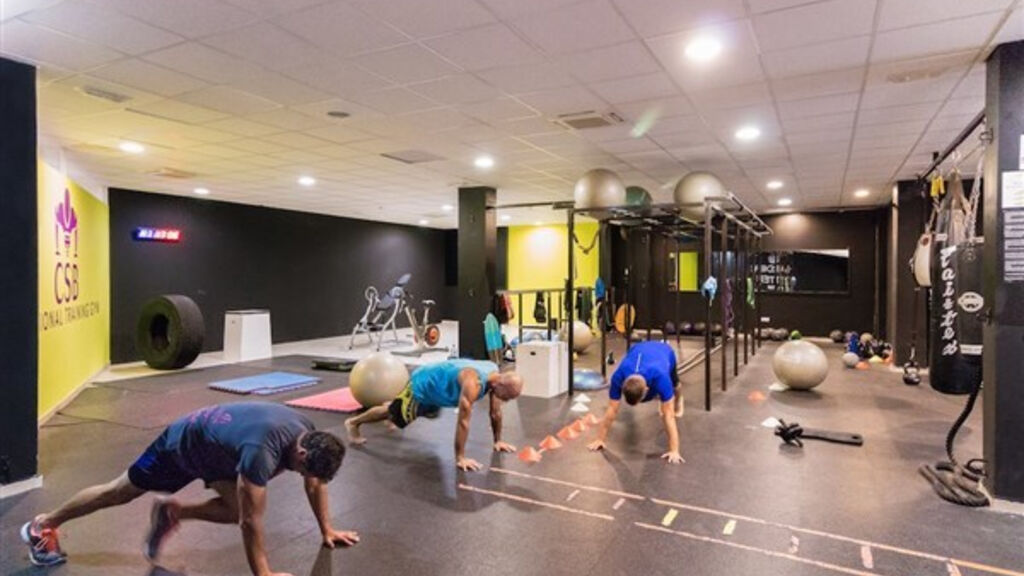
{"x": 544, "y": 368}
{"x": 247, "y": 335}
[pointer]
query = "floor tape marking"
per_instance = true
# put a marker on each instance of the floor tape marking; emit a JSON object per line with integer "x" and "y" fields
{"x": 572, "y": 495}
{"x": 866, "y": 558}
{"x": 670, "y": 516}
{"x": 772, "y": 553}
{"x": 618, "y": 503}
{"x": 730, "y": 527}
{"x": 534, "y": 502}
{"x": 570, "y": 484}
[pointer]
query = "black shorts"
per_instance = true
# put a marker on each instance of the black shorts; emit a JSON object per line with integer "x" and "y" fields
{"x": 404, "y": 408}
{"x": 157, "y": 470}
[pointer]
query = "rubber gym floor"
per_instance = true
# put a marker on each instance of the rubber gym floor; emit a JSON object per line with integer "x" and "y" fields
{"x": 742, "y": 504}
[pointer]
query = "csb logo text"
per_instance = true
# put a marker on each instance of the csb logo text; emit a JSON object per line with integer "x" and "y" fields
{"x": 65, "y": 236}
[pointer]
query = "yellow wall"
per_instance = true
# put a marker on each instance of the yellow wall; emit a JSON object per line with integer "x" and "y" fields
{"x": 74, "y": 287}
{"x": 687, "y": 271}
{"x": 538, "y": 258}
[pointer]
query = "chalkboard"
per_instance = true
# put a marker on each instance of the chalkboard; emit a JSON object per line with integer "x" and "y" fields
{"x": 804, "y": 272}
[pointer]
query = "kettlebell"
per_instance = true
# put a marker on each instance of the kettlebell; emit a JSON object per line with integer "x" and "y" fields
{"x": 911, "y": 374}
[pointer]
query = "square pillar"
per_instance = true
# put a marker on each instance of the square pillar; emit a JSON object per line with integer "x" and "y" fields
{"x": 478, "y": 238}
{"x": 19, "y": 274}
{"x": 1003, "y": 282}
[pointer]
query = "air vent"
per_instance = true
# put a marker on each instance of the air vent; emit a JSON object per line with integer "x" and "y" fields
{"x": 915, "y": 75}
{"x": 588, "y": 119}
{"x": 166, "y": 172}
{"x": 102, "y": 94}
{"x": 412, "y": 156}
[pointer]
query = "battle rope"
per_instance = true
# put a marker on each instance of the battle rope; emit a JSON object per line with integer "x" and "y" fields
{"x": 953, "y": 482}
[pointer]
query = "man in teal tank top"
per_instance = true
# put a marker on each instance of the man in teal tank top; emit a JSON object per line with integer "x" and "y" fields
{"x": 448, "y": 384}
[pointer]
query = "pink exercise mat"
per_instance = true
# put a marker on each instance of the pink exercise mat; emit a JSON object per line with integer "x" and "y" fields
{"x": 339, "y": 400}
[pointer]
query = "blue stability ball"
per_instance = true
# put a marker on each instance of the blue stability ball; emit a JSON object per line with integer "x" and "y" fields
{"x": 586, "y": 379}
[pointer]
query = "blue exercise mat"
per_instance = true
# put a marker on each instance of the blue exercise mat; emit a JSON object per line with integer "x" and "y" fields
{"x": 264, "y": 384}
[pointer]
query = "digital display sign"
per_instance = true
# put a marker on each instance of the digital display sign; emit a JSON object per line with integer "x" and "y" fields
{"x": 147, "y": 234}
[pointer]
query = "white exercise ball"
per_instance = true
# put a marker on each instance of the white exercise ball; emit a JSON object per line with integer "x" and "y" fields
{"x": 582, "y": 336}
{"x": 800, "y": 365}
{"x": 599, "y": 188}
{"x": 693, "y": 189}
{"x": 377, "y": 378}
{"x": 851, "y": 359}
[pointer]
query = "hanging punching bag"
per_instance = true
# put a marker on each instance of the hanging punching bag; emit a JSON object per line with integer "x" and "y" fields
{"x": 956, "y": 300}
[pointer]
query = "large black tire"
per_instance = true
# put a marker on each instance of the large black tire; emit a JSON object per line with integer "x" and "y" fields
{"x": 170, "y": 332}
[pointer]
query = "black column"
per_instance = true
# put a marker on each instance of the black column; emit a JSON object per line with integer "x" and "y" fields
{"x": 477, "y": 242}
{"x": 1004, "y": 276}
{"x": 914, "y": 208}
{"x": 19, "y": 307}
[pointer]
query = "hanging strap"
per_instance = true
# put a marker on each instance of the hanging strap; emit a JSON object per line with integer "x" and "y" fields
{"x": 972, "y": 213}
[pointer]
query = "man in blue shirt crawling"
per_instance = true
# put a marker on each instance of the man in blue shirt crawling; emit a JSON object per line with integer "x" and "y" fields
{"x": 448, "y": 384}
{"x": 647, "y": 372}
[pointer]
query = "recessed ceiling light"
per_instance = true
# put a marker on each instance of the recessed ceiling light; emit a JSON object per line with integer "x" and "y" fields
{"x": 748, "y": 133}
{"x": 307, "y": 181}
{"x": 774, "y": 184}
{"x": 447, "y": 207}
{"x": 537, "y": 223}
{"x": 483, "y": 162}
{"x": 785, "y": 201}
{"x": 862, "y": 193}
{"x": 424, "y": 222}
{"x": 505, "y": 217}
{"x": 202, "y": 191}
{"x": 132, "y": 147}
{"x": 703, "y": 49}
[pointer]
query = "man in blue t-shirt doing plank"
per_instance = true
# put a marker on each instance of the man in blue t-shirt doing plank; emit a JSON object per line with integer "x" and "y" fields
{"x": 235, "y": 449}
{"x": 448, "y": 384}
{"x": 647, "y": 372}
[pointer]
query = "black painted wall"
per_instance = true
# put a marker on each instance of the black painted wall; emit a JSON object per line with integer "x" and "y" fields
{"x": 862, "y": 232}
{"x": 310, "y": 270}
{"x": 19, "y": 307}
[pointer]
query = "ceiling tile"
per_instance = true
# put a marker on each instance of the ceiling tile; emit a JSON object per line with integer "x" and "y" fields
{"x": 512, "y": 9}
{"x": 458, "y": 89}
{"x": 204, "y": 62}
{"x": 923, "y": 111}
{"x": 819, "y": 106}
{"x": 405, "y": 64}
{"x": 568, "y": 100}
{"x": 907, "y": 13}
{"x": 286, "y": 119}
{"x": 647, "y": 87}
{"x": 93, "y": 23}
{"x": 759, "y": 6}
{"x": 960, "y": 34}
{"x": 421, "y": 19}
{"x": 737, "y": 65}
{"x": 227, "y": 100}
{"x": 189, "y": 18}
{"x": 654, "y": 17}
{"x": 269, "y": 8}
{"x": 276, "y": 87}
{"x": 817, "y": 22}
{"x": 845, "y": 53}
{"x": 621, "y": 60}
{"x": 486, "y": 47}
{"x": 528, "y": 126}
{"x": 552, "y": 30}
{"x": 179, "y": 111}
{"x": 337, "y": 77}
{"x": 143, "y": 75}
{"x": 342, "y": 28}
{"x": 40, "y": 45}
{"x": 393, "y": 101}
{"x": 499, "y": 110}
{"x": 267, "y": 44}
{"x": 528, "y": 78}
{"x": 241, "y": 127}
{"x": 753, "y": 94}
{"x": 822, "y": 84}
{"x": 655, "y": 109}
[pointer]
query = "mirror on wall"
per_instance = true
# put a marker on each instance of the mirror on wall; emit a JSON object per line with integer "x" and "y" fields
{"x": 824, "y": 271}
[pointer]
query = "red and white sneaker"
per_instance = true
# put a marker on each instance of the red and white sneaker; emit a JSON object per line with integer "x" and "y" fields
{"x": 43, "y": 545}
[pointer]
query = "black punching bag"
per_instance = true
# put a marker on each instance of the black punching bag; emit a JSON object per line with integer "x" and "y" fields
{"x": 957, "y": 303}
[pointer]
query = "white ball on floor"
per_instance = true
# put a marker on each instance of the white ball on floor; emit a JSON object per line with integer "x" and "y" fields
{"x": 850, "y": 359}
{"x": 582, "y": 336}
{"x": 377, "y": 379}
{"x": 800, "y": 365}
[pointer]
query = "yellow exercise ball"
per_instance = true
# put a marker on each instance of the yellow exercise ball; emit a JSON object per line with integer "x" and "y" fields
{"x": 693, "y": 189}
{"x": 377, "y": 379}
{"x": 599, "y": 188}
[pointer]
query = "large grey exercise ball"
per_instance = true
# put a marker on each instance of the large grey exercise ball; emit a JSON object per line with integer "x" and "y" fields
{"x": 693, "y": 189}
{"x": 800, "y": 365}
{"x": 599, "y": 188}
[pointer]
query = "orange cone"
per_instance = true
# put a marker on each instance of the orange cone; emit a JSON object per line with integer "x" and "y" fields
{"x": 863, "y": 366}
{"x": 529, "y": 454}
{"x": 550, "y": 443}
{"x": 568, "y": 433}
{"x": 579, "y": 426}
{"x": 592, "y": 420}
{"x": 756, "y": 396}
